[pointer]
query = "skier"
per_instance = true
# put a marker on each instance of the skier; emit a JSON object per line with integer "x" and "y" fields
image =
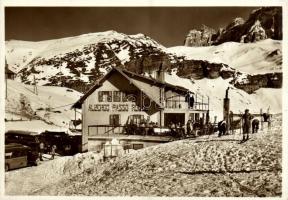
{"x": 255, "y": 125}
{"x": 247, "y": 117}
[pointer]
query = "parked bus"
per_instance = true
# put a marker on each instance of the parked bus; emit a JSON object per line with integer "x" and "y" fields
{"x": 16, "y": 156}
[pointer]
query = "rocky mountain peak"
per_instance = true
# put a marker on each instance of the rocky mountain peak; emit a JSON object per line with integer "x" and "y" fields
{"x": 263, "y": 23}
{"x": 202, "y": 37}
{"x": 236, "y": 22}
{"x": 256, "y": 33}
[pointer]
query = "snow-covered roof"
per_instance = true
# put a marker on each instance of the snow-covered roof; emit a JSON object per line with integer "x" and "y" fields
{"x": 130, "y": 76}
{"x": 8, "y": 71}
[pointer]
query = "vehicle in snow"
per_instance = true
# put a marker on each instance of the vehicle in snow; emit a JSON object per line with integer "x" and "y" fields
{"x": 27, "y": 138}
{"x": 18, "y": 156}
{"x": 65, "y": 144}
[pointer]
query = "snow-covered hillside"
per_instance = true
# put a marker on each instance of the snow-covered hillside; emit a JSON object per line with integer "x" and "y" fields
{"x": 51, "y": 106}
{"x": 77, "y": 62}
{"x": 239, "y": 100}
{"x": 20, "y": 53}
{"x": 252, "y": 58}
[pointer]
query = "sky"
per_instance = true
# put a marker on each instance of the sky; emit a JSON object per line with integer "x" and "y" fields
{"x": 167, "y": 25}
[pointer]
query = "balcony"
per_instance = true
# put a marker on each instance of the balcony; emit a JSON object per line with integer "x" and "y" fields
{"x": 183, "y": 105}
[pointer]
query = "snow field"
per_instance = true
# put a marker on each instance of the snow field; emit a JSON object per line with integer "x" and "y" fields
{"x": 207, "y": 166}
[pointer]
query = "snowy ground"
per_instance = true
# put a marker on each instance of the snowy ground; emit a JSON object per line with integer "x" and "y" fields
{"x": 31, "y": 179}
{"x": 254, "y": 58}
{"x": 207, "y": 166}
{"x": 34, "y": 126}
{"x": 49, "y": 109}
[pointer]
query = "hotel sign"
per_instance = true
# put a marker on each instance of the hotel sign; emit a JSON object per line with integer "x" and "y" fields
{"x": 113, "y": 107}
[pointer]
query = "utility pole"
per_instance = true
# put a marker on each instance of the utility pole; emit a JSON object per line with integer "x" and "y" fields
{"x": 6, "y": 85}
{"x": 6, "y": 76}
{"x": 261, "y": 119}
{"x": 35, "y": 86}
{"x": 226, "y": 110}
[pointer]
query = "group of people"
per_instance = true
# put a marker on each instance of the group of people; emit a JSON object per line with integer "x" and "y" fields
{"x": 51, "y": 150}
{"x": 177, "y": 130}
{"x": 143, "y": 128}
{"x": 249, "y": 124}
{"x": 192, "y": 128}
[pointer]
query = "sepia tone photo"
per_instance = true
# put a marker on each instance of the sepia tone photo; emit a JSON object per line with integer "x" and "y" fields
{"x": 143, "y": 101}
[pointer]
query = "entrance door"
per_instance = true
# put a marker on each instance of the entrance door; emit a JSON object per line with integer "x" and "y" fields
{"x": 114, "y": 120}
{"x": 174, "y": 118}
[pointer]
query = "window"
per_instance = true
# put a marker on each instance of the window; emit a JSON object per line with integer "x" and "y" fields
{"x": 8, "y": 155}
{"x": 197, "y": 117}
{"x": 114, "y": 120}
{"x": 138, "y": 146}
{"x": 16, "y": 154}
{"x": 116, "y": 96}
{"x": 136, "y": 119}
{"x": 124, "y": 97}
{"x": 105, "y": 96}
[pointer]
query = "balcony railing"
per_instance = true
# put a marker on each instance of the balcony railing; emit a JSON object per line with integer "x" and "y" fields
{"x": 178, "y": 104}
{"x": 142, "y": 130}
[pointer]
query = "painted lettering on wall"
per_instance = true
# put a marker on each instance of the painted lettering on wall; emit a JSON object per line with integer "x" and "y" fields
{"x": 120, "y": 108}
{"x": 109, "y": 107}
{"x": 99, "y": 107}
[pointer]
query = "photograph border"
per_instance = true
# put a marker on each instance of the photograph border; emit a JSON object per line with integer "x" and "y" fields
{"x": 145, "y": 3}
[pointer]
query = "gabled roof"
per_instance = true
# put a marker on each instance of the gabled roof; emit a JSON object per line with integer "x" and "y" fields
{"x": 129, "y": 76}
{"x": 8, "y": 71}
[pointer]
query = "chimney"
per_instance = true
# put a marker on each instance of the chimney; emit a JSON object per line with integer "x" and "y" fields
{"x": 160, "y": 75}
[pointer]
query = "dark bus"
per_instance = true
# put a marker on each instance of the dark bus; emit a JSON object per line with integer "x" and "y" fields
{"x": 16, "y": 156}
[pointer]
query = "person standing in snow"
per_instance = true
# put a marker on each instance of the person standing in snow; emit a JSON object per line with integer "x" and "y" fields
{"x": 41, "y": 151}
{"x": 188, "y": 127}
{"x": 246, "y": 118}
{"x": 53, "y": 151}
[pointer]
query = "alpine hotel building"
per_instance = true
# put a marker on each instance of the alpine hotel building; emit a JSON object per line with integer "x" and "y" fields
{"x": 121, "y": 96}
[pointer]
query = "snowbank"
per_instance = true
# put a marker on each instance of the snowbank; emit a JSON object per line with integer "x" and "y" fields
{"x": 32, "y": 179}
{"x": 207, "y": 166}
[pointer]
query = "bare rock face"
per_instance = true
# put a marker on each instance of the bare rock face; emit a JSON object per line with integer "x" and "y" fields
{"x": 262, "y": 23}
{"x": 201, "y": 37}
{"x": 198, "y": 69}
{"x": 251, "y": 83}
{"x": 256, "y": 33}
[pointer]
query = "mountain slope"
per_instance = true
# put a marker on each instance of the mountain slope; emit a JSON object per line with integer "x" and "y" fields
{"x": 252, "y": 70}
{"x": 252, "y": 58}
{"x": 51, "y": 105}
{"x": 264, "y": 98}
{"x": 77, "y": 62}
